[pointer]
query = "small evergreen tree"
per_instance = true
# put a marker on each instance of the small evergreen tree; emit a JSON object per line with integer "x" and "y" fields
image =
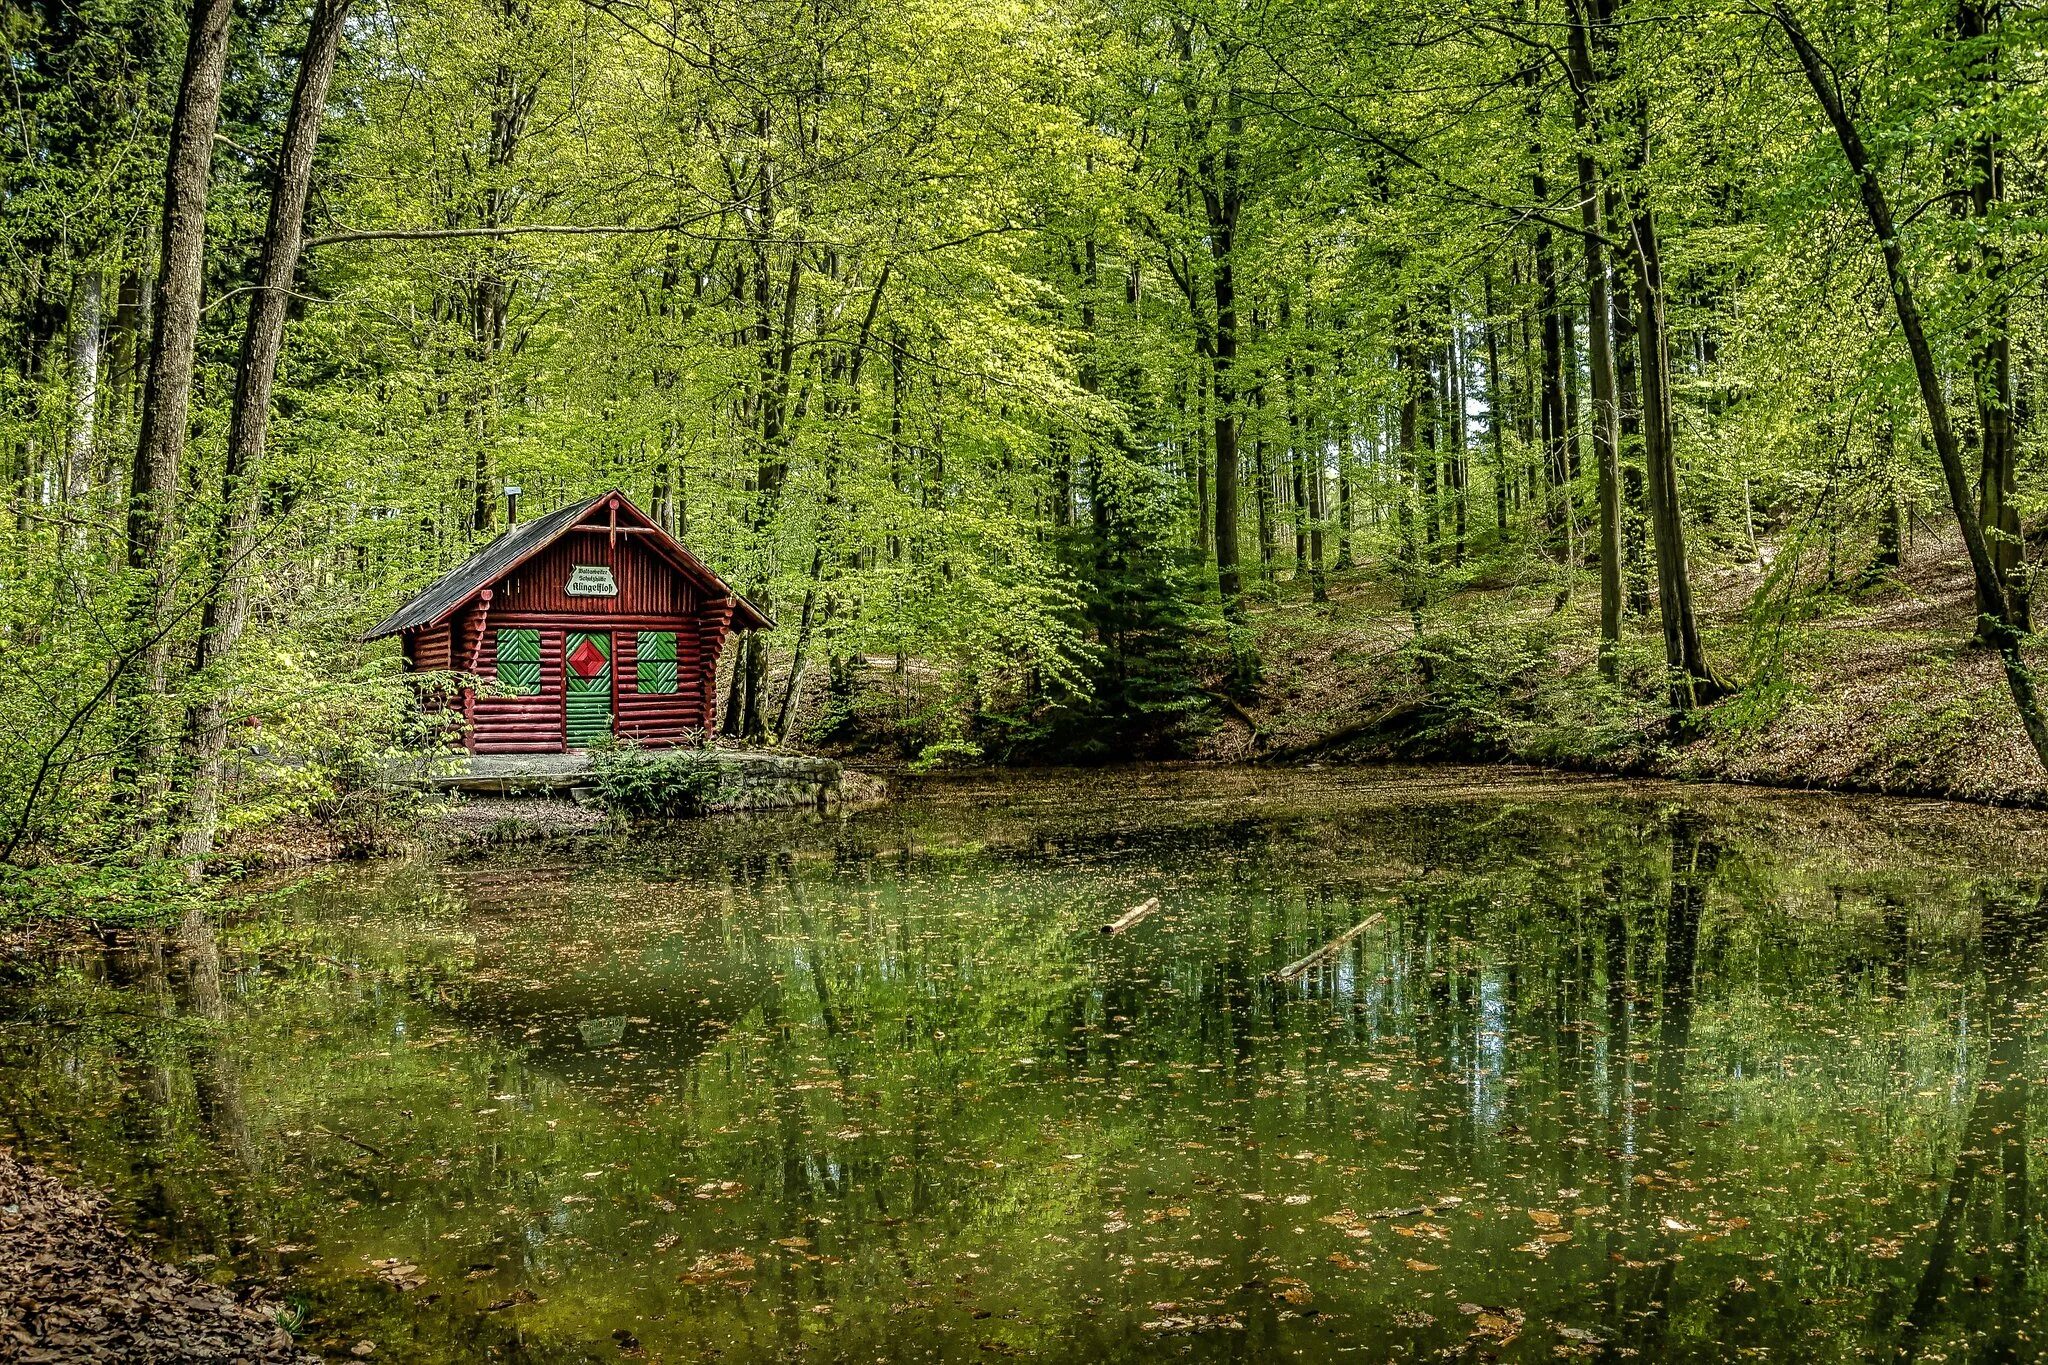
{"x": 1143, "y": 608}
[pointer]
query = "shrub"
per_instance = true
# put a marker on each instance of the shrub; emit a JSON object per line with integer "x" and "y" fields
{"x": 674, "y": 785}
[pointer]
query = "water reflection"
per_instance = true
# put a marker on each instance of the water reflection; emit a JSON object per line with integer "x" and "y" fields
{"x": 1597, "y": 1072}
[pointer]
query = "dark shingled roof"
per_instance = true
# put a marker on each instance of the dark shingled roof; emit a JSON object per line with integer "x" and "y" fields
{"x": 514, "y": 548}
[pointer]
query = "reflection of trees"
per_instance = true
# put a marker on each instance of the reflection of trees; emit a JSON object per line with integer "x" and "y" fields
{"x": 1639, "y": 1312}
{"x": 216, "y": 1067}
{"x": 1481, "y": 1040}
{"x": 1991, "y": 1167}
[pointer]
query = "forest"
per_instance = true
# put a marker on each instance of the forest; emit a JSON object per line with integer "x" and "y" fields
{"x": 1050, "y": 373}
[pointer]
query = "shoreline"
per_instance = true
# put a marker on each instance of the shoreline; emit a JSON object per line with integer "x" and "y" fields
{"x": 478, "y": 825}
{"x": 76, "y": 1286}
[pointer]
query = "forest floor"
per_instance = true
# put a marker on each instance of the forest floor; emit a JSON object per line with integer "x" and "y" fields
{"x": 1842, "y": 684}
{"x": 1871, "y": 688}
{"x": 75, "y": 1288}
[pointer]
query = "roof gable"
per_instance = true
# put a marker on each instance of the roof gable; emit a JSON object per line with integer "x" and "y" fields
{"x": 493, "y": 561}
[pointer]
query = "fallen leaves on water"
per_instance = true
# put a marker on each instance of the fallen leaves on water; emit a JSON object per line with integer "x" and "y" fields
{"x": 1497, "y": 1325}
{"x": 402, "y": 1275}
{"x": 720, "y": 1266}
{"x": 1348, "y": 1223}
{"x": 1293, "y": 1293}
{"x": 1172, "y": 1321}
{"x": 1542, "y": 1243}
{"x": 1420, "y": 1266}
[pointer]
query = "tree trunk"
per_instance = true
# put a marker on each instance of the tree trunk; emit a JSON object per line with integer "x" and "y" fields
{"x": 1889, "y": 547}
{"x": 1197, "y": 438}
{"x": 1318, "y": 492}
{"x": 1496, "y": 402}
{"x": 1428, "y": 452}
{"x": 1297, "y": 469}
{"x": 1262, "y": 488}
{"x": 166, "y": 409}
{"x": 1223, "y": 199}
{"x": 1692, "y": 682}
{"x": 1413, "y": 379}
{"x": 2006, "y": 638}
{"x": 85, "y": 400}
{"x": 1556, "y": 468}
{"x": 1991, "y": 363}
{"x": 1599, "y": 347}
{"x": 226, "y": 612}
{"x": 1629, "y": 447}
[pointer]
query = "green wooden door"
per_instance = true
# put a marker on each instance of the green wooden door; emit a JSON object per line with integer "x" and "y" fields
{"x": 587, "y": 661}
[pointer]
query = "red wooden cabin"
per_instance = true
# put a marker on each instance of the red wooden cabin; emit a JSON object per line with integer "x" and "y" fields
{"x": 589, "y": 622}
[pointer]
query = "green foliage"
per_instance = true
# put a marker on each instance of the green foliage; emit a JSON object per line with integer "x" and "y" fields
{"x": 924, "y": 324}
{"x": 108, "y": 894}
{"x": 945, "y": 753}
{"x": 669, "y": 784}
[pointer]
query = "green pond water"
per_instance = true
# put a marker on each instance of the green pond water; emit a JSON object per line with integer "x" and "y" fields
{"x": 1610, "y": 1072}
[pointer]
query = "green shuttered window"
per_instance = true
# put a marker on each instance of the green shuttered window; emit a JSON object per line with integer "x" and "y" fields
{"x": 655, "y": 662}
{"x": 519, "y": 662}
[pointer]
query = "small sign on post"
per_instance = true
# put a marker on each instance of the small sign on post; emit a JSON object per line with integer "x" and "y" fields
{"x": 592, "y": 580}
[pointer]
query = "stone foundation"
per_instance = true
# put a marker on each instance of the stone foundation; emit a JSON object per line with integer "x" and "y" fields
{"x": 745, "y": 779}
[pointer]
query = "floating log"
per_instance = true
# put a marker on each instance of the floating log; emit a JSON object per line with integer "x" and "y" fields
{"x": 1131, "y": 916}
{"x": 1294, "y": 970}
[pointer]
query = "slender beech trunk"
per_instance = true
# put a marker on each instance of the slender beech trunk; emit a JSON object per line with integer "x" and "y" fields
{"x": 1556, "y": 467}
{"x": 86, "y": 333}
{"x": 1884, "y": 446}
{"x": 166, "y": 408}
{"x": 1223, "y": 199}
{"x": 1528, "y": 411}
{"x": 1991, "y": 364}
{"x": 1568, "y": 348}
{"x": 1347, "y": 461}
{"x": 226, "y": 612}
{"x": 1635, "y": 505}
{"x": 1312, "y": 462}
{"x": 1408, "y": 462}
{"x": 1998, "y": 623}
{"x": 1297, "y": 461}
{"x": 1262, "y": 490}
{"x": 1460, "y": 467}
{"x": 1692, "y": 681}
{"x": 1496, "y": 403}
{"x": 1599, "y": 347}
{"x": 1196, "y": 439}
{"x": 124, "y": 349}
{"x": 1428, "y": 455}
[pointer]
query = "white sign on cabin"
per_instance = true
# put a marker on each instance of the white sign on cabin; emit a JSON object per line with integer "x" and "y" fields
{"x": 592, "y": 580}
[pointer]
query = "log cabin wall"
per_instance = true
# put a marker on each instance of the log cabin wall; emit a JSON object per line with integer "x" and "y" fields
{"x": 652, "y": 595}
{"x": 427, "y": 650}
{"x": 657, "y": 718}
{"x": 648, "y": 584}
{"x": 520, "y": 725}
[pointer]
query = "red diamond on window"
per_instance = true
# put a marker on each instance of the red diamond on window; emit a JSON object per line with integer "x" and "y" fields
{"x": 587, "y": 659}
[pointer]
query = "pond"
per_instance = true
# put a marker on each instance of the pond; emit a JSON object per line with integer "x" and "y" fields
{"x": 1583, "y": 1069}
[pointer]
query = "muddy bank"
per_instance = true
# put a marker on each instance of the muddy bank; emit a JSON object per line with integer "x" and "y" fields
{"x": 74, "y": 1287}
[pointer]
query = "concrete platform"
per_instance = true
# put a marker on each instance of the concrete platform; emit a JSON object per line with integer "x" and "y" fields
{"x": 754, "y": 779}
